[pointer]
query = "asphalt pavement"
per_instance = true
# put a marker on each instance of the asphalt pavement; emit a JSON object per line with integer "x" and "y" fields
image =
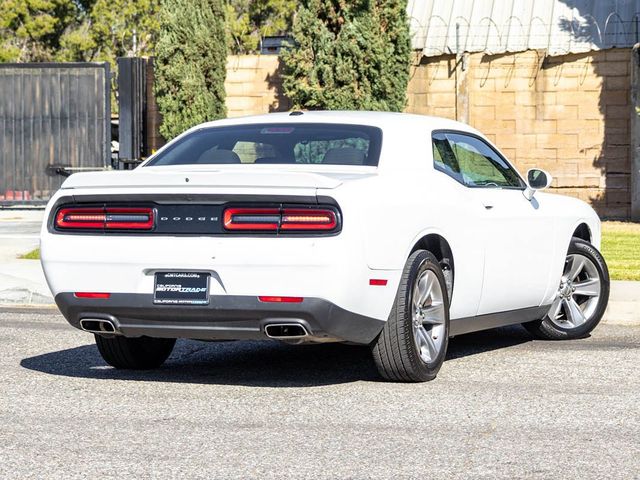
{"x": 503, "y": 406}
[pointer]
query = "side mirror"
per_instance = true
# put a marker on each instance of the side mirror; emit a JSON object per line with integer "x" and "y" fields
{"x": 536, "y": 180}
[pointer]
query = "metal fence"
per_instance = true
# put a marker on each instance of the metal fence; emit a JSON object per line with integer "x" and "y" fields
{"x": 51, "y": 115}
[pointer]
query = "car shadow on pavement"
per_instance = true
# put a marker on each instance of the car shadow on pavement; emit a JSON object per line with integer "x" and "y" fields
{"x": 258, "y": 364}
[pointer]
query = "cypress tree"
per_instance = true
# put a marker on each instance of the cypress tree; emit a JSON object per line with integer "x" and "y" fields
{"x": 191, "y": 59}
{"x": 349, "y": 55}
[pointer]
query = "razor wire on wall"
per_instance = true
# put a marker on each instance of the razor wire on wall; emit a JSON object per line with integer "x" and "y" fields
{"x": 499, "y": 26}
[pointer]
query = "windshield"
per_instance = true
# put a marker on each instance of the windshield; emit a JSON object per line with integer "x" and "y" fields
{"x": 276, "y": 143}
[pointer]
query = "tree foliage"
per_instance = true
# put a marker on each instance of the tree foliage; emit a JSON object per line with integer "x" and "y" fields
{"x": 108, "y": 29}
{"x": 191, "y": 56}
{"x": 250, "y": 20}
{"x": 349, "y": 55}
{"x": 76, "y": 30}
{"x": 30, "y": 30}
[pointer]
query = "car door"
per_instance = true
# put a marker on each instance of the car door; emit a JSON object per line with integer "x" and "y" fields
{"x": 517, "y": 234}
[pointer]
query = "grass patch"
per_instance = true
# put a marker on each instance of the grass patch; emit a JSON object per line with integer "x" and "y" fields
{"x": 621, "y": 249}
{"x": 32, "y": 255}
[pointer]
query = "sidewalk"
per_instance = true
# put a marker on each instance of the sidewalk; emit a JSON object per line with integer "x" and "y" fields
{"x": 22, "y": 281}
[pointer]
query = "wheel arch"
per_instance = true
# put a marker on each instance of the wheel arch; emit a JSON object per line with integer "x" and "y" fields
{"x": 583, "y": 232}
{"x": 439, "y": 246}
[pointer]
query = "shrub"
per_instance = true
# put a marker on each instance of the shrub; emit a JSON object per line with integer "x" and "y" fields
{"x": 191, "y": 59}
{"x": 349, "y": 55}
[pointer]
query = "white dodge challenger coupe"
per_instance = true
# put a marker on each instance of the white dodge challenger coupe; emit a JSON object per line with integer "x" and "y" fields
{"x": 390, "y": 230}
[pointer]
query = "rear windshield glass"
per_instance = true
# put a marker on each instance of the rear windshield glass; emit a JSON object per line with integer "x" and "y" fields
{"x": 283, "y": 143}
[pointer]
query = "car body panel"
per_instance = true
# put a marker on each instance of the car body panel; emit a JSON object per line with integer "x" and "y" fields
{"x": 508, "y": 252}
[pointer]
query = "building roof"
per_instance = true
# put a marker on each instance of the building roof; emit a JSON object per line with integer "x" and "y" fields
{"x": 497, "y": 26}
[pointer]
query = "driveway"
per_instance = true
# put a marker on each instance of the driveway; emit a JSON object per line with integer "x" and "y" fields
{"x": 503, "y": 406}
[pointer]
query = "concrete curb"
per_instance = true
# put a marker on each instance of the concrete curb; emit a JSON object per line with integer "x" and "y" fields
{"x": 624, "y": 303}
{"x": 24, "y": 296}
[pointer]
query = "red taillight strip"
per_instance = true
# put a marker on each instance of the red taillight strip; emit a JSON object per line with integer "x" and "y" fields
{"x": 105, "y": 218}
{"x": 129, "y": 218}
{"x": 91, "y": 295}
{"x": 300, "y": 219}
{"x": 377, "y": 282}
{"x": 251, "y": 218}
{"x": 280, "y": 299}
{"x": 80, "y": 218}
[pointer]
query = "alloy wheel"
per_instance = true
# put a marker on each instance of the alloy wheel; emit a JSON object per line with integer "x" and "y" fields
{"x": 578, "y": 294}
{"x": 428, "y": 316}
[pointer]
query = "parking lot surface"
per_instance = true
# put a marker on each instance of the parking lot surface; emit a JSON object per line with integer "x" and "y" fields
{"x": 503, "y": 406}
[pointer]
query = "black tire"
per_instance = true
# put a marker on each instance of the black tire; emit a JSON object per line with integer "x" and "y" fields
{"x": 142, "y": 353}
{"x": 394, "y": 351}
{"x": 546, "y": 329}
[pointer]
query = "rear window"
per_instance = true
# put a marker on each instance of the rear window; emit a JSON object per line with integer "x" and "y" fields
{"x": 329, "y": 144}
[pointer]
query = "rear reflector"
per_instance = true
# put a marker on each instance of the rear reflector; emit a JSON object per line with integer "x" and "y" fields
{"x": 281, "y": 299}
{"x": 290, "y": 219}
{"x": 377, "y": 281}
{"x": 107, "y": 218}
{"x": 91, "y": 295}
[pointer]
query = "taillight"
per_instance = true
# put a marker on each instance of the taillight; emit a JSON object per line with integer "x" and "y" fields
{"x": 251, "y": 218}
{"x": 300, "y": 219}
{"x": 105, "y": 218}
{"x": 289, "y": 219}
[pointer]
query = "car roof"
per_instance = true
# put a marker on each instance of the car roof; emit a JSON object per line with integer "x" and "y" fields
{"x": 387, "y": 121}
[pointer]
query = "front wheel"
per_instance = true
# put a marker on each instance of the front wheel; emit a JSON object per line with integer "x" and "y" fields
{"x": 142, "y": 353}
{"x": 581, "y": 299}
{"x": 413, "y": 343}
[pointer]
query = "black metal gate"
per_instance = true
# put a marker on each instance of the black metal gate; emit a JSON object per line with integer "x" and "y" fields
{"x": 51, "y": 115}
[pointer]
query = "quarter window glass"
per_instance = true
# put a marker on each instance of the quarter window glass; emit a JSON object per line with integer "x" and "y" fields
{"x": 472, "y": 162}
{"x": 444, "y": 158}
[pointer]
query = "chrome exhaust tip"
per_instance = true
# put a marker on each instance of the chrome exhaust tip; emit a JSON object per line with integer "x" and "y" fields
{"x": 98, "y": 325}
{"x": 285, "y": 331}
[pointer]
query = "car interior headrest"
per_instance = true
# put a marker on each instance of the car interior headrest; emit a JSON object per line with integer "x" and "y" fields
{"x": 344, "y": 156}
{"x": 215, "y": 156}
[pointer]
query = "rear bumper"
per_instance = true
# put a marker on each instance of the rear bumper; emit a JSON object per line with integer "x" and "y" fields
{"x": 227, "y": 317}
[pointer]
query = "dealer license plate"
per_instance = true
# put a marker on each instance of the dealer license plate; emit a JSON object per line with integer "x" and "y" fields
{"x": 181, "y": 288}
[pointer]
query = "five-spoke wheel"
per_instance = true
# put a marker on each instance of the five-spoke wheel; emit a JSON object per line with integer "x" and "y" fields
{"x": 413, "y": 342}
{"x": 578, "y": 294}
{"x": 428, "y": 316}
{"x": 581, "y": 298}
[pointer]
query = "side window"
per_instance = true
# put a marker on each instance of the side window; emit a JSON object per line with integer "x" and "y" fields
{"x": 474, "y": 163}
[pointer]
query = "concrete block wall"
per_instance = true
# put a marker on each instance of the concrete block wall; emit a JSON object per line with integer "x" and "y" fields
{"x": 569, "y": 115}
{"x": 253, "y": 85}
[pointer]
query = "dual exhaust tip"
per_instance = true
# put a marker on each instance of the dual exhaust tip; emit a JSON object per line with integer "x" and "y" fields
{"x": 285, "y": 331}
{"x": 277, "y": 331}
{"x": 98, "y": 325}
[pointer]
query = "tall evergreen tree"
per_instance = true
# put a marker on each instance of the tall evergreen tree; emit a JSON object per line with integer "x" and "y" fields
{"x": 349, "y": 55}
{"x": 30, "y": 30}
{"x": 107, "y": 29}
{"x": 191, "y": 58}
{"x": 250, "y": 20}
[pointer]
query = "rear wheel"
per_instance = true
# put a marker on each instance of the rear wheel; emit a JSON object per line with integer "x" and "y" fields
{"x": 581, "y": 299}
{"x": 142, "y": 353}
{"x": 413, "y": 343}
